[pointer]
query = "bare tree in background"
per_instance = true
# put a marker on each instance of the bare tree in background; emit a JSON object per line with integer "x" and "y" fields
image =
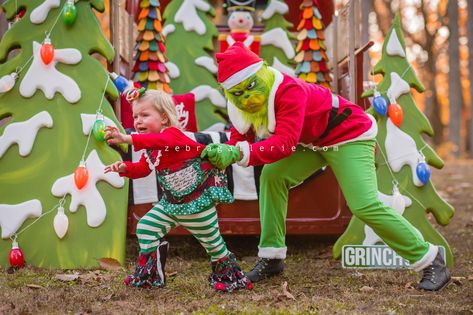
{"x": 454, "y": 88}
{"x": 366, "y": 9}
{"x": 426, "y": 39}
{"x": 469, "y": 26}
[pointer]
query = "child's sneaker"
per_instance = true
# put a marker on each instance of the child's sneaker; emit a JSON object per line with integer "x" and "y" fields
{"x": 150, "y": 269}
{"x": 141, "y": 275}
{"x": 227, "y": 275}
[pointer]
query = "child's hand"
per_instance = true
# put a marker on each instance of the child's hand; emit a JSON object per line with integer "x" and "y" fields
{"x": 118, "y": 167}
{"x": 114, "y": 136}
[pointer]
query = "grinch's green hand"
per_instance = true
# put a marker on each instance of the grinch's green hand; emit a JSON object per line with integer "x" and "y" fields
{"x": 221, "y": 155}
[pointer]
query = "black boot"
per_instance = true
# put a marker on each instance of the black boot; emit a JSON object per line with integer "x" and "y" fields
{"x": 265, "y": 268}
{"x": 436, "y": 276}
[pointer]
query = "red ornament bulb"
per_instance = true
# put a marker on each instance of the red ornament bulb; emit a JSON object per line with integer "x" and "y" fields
{"x": 47, "y": 51}
{"x": 395, "y": 114}
{"x": 81, "y": 176}
{"x": 17, "y": 260}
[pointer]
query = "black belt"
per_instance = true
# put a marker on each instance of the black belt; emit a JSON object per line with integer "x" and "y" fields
{"x": 335, "y": 119}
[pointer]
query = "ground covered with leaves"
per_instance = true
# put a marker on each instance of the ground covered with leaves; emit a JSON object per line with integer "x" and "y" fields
{"x": 312, "y": 283}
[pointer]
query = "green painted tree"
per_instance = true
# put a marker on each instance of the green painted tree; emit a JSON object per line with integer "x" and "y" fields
{"x": 190, "y": 32}
{"x": 400, "y": 149}
{"x": 49, "y": 114}
{"x": 277, "y": 47}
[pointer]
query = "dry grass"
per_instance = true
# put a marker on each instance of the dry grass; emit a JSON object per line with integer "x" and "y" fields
{"x": 316, "y": 281}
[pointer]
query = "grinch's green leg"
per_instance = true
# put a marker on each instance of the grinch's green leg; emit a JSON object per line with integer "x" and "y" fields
{"x": 275, "y": 181}
{"x": 353, "y": 165}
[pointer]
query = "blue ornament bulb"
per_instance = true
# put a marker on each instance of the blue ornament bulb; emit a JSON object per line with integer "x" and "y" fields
{"x": 380, "y": 105}
{"x": 423, "y": 172}
{"x": 120, "y": 82}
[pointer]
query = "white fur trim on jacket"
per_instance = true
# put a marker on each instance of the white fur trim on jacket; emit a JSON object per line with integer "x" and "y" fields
{"x": 427, "y": 259}
{"x": 236, "y": 116}
{"x": 242, "y": 75}
{"x": 244, "y": 148}
{"x": 272, "y": 252}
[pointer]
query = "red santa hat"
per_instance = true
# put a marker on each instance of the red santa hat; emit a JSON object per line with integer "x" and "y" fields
{"x": 236, "y": 64}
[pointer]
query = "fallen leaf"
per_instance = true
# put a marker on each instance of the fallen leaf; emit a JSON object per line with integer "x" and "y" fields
{"x": 34, "y": 286}
{"x": 286, "y": 293}
{"x": 107, "y": 297}
{"x": 457, "y": 281}
{"x": 409, "y": 286}
{"x": 110, "y": 264}
{"x": 366, "y": 288}
{"x": 458, "y": 278}
{"x": 171, "y": 274}
{"x": 67, "y": 276}
{"x": 357, "y": 274}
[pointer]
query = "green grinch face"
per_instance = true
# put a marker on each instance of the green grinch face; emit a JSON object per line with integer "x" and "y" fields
{"x": 252, "y": 94}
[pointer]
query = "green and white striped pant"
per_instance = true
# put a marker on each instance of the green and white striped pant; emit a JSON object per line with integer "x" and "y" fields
{"x": 203, "y": 226}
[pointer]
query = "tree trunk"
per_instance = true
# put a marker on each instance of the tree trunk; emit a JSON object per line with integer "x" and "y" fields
{"x": 366, "y": 9}
{"x": 454, "y": 93}
{"x": 469, "y": 26}
{"x": 432, "y": 106}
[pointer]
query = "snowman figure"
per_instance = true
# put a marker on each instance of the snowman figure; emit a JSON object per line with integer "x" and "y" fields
{"x": 240, "y": 22}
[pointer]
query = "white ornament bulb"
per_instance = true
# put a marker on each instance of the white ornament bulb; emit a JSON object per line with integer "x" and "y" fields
{"x": 398, "y": 203}
{"x": 7, "y": 82}
{"x": 61, "y": 222}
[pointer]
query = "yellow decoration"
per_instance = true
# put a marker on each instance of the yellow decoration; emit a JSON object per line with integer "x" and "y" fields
{"x": 302, "y": 35}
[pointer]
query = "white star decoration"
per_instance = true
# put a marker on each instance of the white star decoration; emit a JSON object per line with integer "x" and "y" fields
{"x": 13, "y": 216}
{"x": 88, "y": 196}
{"x": 24, "y": 133}
{"x": 48, "y": 79}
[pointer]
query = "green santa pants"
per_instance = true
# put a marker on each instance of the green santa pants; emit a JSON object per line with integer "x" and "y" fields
{"x": 354, "y": 168}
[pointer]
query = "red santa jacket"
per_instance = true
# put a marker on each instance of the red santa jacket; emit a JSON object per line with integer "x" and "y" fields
{"x": 175, "y": 147}
{"x": 298, "y": 113}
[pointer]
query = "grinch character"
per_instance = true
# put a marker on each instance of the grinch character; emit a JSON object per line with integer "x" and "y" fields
{"x": 240, "y": 22}
{"x": 295, "y": 128}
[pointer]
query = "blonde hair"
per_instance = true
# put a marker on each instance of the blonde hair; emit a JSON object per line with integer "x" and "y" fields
{"x": 163, "y": 103}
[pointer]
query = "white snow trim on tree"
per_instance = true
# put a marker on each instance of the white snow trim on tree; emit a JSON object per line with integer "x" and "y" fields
{"x": 40, "y": 13}
{"x": 206, "y": 91}
{"x": 398, "y": 86}
{"x": 401, "y": 150}
{"x": 13, "y": 216}
{"x": 47, "y": 79}
{"x": 278, "y": 38}
{"x": 207, "y": 62}
{"x": 173, "y": 69}
{"x": 394, "y": 47}
{"x": 188, "y": 16}
{"x": 396, "y": 201}
{"x": 88, "y": 121}
{"x": 168, "y": 29}
{"x": 24, "y": 133}
{"x": 88, "y": 196}
{"x": 278, "y": 65}
{"x": 273, "y": 7}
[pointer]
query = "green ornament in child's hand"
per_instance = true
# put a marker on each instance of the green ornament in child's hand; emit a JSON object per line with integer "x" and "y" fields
{"x": 99, "y": 130}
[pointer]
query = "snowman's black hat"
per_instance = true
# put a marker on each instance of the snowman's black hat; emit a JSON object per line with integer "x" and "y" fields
{"x": 240, "y": 5}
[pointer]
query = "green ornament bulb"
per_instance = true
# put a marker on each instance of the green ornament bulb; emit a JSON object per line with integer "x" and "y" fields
{"x": 98, "y": 130}
{"x": 70, "y": 13}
